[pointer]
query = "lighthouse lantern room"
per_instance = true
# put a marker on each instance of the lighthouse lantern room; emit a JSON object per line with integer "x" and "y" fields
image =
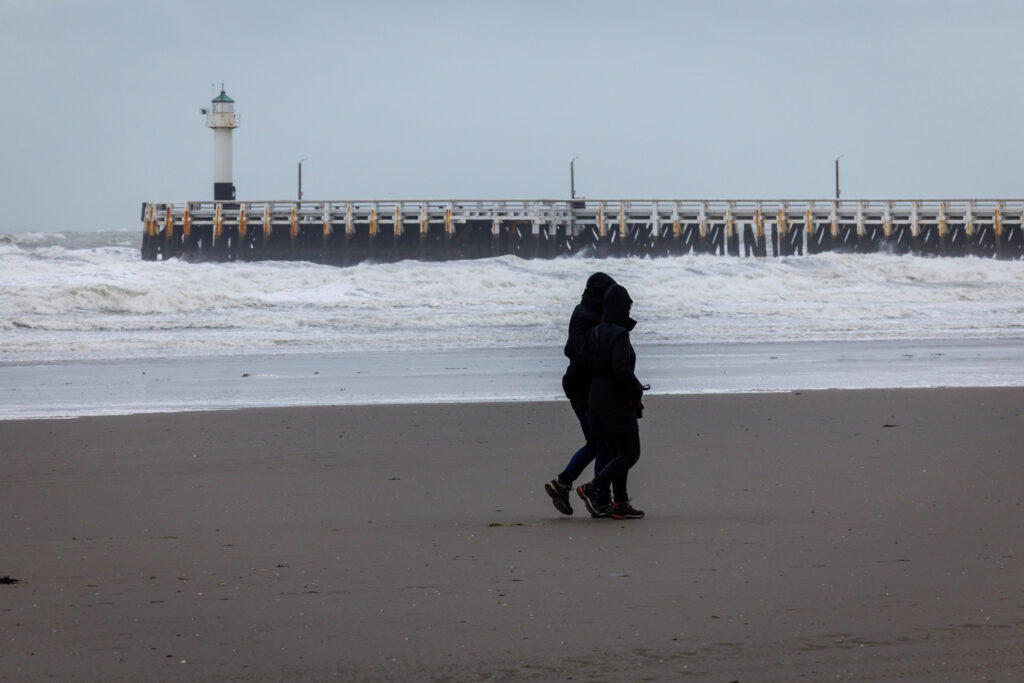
{"x": 221, "y": 117}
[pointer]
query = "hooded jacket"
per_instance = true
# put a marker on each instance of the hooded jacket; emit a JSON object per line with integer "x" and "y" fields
{"x": 615, "y": 392}
{"x": 582, "y": 365}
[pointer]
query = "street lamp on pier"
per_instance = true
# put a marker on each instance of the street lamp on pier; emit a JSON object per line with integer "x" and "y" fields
{"x": 837, "y": 175}
{"x": 572, "y": 178}
{"x": 300, "y": 176}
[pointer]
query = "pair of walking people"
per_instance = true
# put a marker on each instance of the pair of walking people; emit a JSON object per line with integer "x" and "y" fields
{"x": 606, "y": 397}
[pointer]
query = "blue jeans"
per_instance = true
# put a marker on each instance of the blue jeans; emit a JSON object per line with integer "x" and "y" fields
{"x": 593, "y": 450}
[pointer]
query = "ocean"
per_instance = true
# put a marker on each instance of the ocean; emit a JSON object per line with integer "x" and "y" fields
{"x": 87, "y": 327}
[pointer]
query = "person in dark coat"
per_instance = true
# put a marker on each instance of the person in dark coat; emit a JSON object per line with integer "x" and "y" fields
{"x": 576, "y": 384}
{"x": 615, "y": 404}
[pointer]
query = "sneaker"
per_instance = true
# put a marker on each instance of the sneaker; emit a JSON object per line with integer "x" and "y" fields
{"x": 625, "y": 511}
{"x": 559, "y": 493}
{"x": 588, "y": 492}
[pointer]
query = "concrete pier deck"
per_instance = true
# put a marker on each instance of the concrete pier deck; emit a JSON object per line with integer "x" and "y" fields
{"x": 347, "y": 232}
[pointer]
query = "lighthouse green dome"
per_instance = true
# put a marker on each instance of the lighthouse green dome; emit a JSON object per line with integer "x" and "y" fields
{"x": 222, "y": 97}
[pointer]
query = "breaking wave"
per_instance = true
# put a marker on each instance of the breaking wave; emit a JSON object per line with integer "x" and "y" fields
{"x": 90, "y": 296}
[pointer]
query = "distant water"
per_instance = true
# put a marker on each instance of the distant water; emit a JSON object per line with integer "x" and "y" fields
{"x": 89, "y": 296}
{"x": 87, "y": 327}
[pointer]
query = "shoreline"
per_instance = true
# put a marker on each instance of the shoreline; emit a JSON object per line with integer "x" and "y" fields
{"x": 489, "y": 401}
{"x": 868, "y": 534}
{"x": 68, "y": 389}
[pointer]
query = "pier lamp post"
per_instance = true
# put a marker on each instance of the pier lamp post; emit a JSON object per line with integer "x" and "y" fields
{"x": 572, "y": 178}
{"x": 300, "y": 176}
{"x": 837, "y": 175}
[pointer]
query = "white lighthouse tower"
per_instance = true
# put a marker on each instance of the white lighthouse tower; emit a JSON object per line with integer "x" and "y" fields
{"x": 222, "y": 119}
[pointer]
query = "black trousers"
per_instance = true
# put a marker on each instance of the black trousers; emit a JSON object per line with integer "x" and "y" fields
{"x": 624, "y": 452}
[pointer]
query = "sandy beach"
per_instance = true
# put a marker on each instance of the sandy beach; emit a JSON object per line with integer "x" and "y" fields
{"x": 827, "y": 535}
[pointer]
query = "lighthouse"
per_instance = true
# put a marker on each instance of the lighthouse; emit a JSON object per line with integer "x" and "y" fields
{"x": 221, "y": 117}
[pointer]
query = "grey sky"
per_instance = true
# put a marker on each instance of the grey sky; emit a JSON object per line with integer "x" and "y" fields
{"x": 100, "y": 101}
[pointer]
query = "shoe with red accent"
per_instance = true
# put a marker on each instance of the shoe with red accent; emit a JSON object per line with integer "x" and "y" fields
{"x": 625, "y": 511}
{"x": 588, "y": 492}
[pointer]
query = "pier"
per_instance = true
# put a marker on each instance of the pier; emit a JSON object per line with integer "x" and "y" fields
{"x": 349, "y": 232}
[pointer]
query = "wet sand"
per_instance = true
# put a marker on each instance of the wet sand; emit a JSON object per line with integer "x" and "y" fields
{"x": 850, "y": 535}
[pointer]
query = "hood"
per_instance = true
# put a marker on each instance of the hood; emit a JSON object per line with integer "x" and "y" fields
{"x": 616, "y": 307}
{"x": 597, "y": 285}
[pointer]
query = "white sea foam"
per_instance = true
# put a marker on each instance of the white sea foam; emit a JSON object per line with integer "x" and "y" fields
{"x": 82, "y": 296}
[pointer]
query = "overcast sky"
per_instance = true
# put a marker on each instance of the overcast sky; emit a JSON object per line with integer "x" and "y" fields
{"x": 443, "y": 99}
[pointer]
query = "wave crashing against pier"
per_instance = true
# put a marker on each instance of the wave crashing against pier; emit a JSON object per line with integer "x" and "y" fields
{"x": 348, "y": 232}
